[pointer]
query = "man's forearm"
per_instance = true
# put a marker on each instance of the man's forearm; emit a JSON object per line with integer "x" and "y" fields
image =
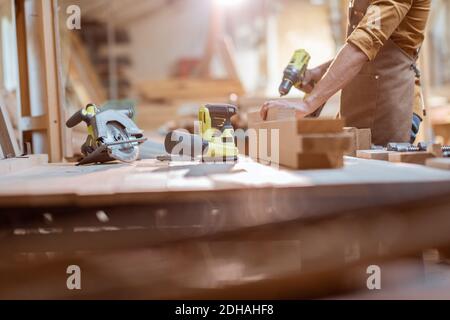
{"x": 325, "y": 66}
{"x": 343, "y": 69}
{"x": 317, "y": 73}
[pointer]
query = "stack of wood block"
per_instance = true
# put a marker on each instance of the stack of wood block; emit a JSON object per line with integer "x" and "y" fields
{"x": 415, "y": 157}
{"x": 299, "y": 143}
{"x": 362, "y": 140}
{"x": 419, "y": 157}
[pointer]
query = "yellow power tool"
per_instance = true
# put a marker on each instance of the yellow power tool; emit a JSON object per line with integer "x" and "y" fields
{"x": 295, "y": 71}
{"x": 112, "y": 134}
{"x": 294, "y": 74}
{"x": 215, "y": 141}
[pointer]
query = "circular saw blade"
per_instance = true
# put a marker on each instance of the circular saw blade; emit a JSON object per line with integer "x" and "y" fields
{"x": 126, "y": 152}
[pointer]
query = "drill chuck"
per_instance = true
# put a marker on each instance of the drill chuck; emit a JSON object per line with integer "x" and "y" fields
{"x": 285, "y": 87}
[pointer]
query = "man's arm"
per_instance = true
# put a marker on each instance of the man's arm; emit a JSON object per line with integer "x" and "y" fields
{"x": 314, "y": 75}
{"x": 344, "y": 68}
{"x": 362, "y": 46}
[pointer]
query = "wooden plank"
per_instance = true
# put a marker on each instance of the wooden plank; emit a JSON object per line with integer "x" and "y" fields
{"x": 439, "y": 163}
{"x": 46, "y": 25}
{"x": 8, "y": 142}
{"x": 411, "y": 157}
{"x": 325, "y": 143}
{"x": 8, "y": 166}
{"x": 23, "y": 94}
{"x": 33, "y": 123}
{"x": 40, "y": 95}
{"x": 311, "y": 161}
{"x": 66, "y": 134}
{"x": 382, "y": 155}
{"x": 148, "y": 181}
{"x": 310, "y": 126}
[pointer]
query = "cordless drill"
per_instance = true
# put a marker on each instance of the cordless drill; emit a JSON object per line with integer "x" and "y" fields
{"x": 215, "y": 141}
{"x": 293, "y": 76}
{"x": 295, "y": 71}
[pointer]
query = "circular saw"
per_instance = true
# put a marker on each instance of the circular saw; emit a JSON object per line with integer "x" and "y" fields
{"x": 112, "y": 135}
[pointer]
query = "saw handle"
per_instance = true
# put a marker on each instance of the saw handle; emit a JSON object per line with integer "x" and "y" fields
{"x": 76, "y": 119}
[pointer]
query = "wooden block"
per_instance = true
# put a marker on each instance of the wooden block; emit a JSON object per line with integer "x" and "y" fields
{"x": 439, "y": 163}
{"x": 304, "y": 126}
{"x": 309, "y": 161}
{"x": 382, "y": 155}
{"x": 310, "y": 126}
{"x": 320, "y": 161}
{"x": 282, "y": 131}
{"x": 410, "y": 157}
{"x": 325, "y": 143}
{"x": 362, "y": 140}
{"x": 275, "y": 114}
{"x": 316, "y": 137}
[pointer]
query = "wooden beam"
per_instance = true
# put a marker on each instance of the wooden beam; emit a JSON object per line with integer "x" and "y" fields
{"x": 214, "y": 33}
{"x": 8, "y": 143}
{"x": 33, "y": 123}
{"x": 411, "y": 157}
{"x": 39, "y": 81}
{"x": 66, "y": 135}
{"x": 51, "y": 80}
{"x": 23, "y": 97}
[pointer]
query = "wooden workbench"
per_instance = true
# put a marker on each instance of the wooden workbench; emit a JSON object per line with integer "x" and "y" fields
{"x": 286, "y": 229}
{"x": 151, "y": 180}
{"x": 199, "y": 199}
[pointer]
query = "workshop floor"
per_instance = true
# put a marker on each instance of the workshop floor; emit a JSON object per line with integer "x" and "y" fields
{"x": 406, "y": 280}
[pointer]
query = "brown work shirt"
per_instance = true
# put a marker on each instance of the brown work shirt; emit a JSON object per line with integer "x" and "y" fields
{"x": 402, "y": 21}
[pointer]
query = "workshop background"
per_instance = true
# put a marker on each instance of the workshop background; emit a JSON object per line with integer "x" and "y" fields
{"x": 166, "y": 58}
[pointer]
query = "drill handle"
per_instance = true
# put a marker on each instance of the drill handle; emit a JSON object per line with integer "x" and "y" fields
{"x": 76, "y": 119}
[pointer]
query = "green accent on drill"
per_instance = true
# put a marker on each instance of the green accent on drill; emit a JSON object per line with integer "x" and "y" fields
{"x": 217, "y": 148}
{"x": 300, "y": 61}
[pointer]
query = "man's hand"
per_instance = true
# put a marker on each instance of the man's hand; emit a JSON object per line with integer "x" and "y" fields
{"x": 312, "y": 76}
{"x": 301, "y": 108}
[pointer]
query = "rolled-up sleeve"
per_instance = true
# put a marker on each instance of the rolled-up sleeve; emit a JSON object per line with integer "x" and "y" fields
{"x": 381, "y": 19}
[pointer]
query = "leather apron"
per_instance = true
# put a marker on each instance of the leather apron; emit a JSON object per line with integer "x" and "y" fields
{"x": 381, "y": 96}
